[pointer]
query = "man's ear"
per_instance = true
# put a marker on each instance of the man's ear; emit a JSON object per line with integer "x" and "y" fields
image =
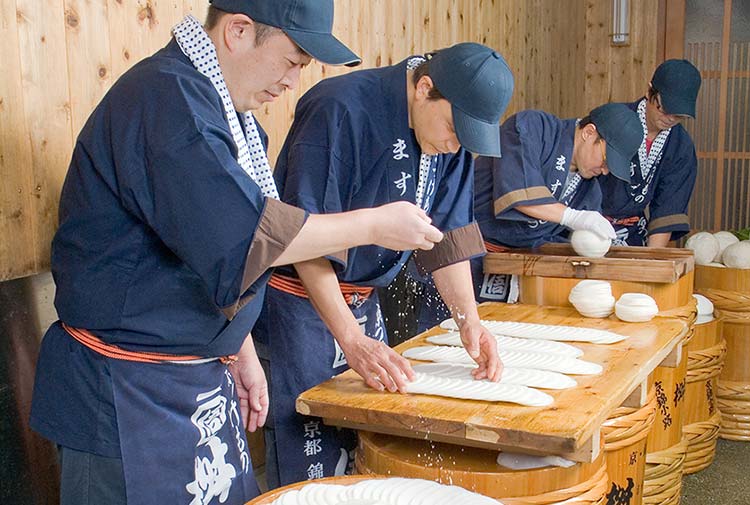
{"x": 238, "y": 28}
{"x": 423, "y": 88}
{"x": 589, "y": 131}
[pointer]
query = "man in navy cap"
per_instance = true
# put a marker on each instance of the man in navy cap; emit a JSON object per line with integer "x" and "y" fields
{"x": 400, "y": 133}
{"x": 544, "y": 186}
{"x": 664, "y": 169}
{"x": 169, "y": 224}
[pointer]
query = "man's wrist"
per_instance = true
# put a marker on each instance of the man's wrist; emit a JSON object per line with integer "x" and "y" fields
{"x": 466, "y": 318}
{"x": 364, "y": 226}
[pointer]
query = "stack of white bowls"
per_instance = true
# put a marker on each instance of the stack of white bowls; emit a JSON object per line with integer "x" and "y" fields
{"x": 705, "y": 309}
{"x": 592, "y": 298}
{"x": 636, "y": 307}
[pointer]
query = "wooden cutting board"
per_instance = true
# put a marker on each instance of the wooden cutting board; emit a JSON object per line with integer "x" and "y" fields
{"x": 661, "y": 265}
{"x": 569, "y": 427}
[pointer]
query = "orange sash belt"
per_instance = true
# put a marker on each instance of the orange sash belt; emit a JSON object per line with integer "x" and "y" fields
{"x": 625, "y": 221}
{"x": 494, "y": 248}
{"x": 295, "y": 287}
{"x": 96, "y": 344}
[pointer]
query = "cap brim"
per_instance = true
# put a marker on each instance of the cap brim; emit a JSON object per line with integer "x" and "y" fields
{"x": 618, "y": 164}
{"x": 324, "y": 47}
{"x": 476, "y": 136}
{"x": 678, "y": 107}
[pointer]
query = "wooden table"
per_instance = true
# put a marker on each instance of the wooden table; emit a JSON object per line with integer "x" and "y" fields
{"x": 569, "y": 427}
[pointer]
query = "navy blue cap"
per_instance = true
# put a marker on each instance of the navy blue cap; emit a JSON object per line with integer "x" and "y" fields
{"x": 307, "y": 22}
{"x": 678, "y": 83}
{"x": 478, "y": 84}
{"x": 622, "y": 131}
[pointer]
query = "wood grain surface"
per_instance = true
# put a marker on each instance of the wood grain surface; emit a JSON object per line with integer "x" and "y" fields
{"x": 60, "y": 57}
{"x": 655, "y": 265}
{"x": 569, "y": 427}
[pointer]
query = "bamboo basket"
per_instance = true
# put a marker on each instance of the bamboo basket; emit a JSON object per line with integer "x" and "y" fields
{"x": 701, "y": 418}
{"x": 625, "y": 433}
{"x": 729, "y": 290}
{"x": 477, "y": 470}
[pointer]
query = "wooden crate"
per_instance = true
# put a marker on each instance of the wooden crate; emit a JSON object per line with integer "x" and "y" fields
{"x": 548, "y": 273}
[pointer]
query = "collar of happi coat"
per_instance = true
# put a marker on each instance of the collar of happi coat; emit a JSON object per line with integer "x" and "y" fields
{"x": 425, "y": 160}
{"x": 251, "y": 156}
{"x": 650, "y": 158}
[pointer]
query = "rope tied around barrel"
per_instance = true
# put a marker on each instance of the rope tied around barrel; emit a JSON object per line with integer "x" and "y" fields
{"x": 627, "y": 426}
{"x": 687, "y": 313}
{"x": 663, "y": 476}
{"x": 701, "y": 443}
{"x": 731, "y": 304}
{"x": 733, "y": 401}
{"x": 734, "y": 391}
{"x": 589, "y": 492}
{"x": 705, "y": 364}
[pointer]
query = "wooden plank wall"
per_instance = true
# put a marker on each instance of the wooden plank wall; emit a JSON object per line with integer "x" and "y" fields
{"x": 60, "y": 56}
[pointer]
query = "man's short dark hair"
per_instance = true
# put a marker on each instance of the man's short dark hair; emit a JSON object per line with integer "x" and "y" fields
{"x": 424, "y": 70}
{"x": 587, "y": 121}
{"x": 262, "y": 32}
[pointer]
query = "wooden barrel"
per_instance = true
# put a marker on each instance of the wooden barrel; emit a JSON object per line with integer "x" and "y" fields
{"x": 625, "y": 433}
{"x": 477, "y": 470}
{"x": 669, "y": 385}
{"x": 729, "y": 290}
{"x": 666, "y": 446}
{"x": 733, "y": 392}
{"x": 701, "y": 418}
{"x": 269, "y": 497}
{"x": 546, "y": 276}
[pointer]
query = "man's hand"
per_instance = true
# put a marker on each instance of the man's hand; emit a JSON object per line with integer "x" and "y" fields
{"x": 482, "y": 347}
{"x": 380, "y": 366}
{"x": 252, "y": 388}
{"x": 588, "y": 220}
{"x": 454, "y": 285}
{"x": 402, "y": 226}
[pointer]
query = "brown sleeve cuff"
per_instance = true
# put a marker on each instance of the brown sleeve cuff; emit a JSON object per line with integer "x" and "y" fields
{"x": 520, "y": 195}
{"x": 457, "y": 245}
{"x": 668, "y": 221}
{"x": 278, "y": 226}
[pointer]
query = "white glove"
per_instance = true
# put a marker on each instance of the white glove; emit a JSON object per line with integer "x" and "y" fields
{"x": 588, "y": 220}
